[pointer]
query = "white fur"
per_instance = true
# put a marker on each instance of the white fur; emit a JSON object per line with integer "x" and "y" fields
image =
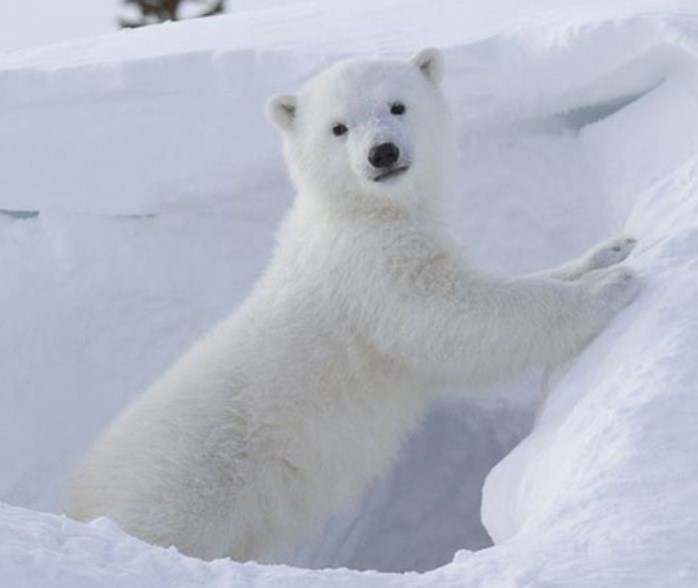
{"x": 281, "y": 415}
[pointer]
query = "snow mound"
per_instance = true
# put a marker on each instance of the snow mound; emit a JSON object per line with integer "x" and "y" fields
{"x": 139, "y": 191}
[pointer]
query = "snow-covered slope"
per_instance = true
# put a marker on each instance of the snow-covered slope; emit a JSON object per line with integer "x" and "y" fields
{"x": 141, "y": 186}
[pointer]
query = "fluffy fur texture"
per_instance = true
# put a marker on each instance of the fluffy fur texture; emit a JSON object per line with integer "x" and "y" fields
{"x": 284, "y": 412}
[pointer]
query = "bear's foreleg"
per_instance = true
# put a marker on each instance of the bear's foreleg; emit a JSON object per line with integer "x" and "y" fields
{"x": 599, "y": 257}
{"x": 481, "y": 329}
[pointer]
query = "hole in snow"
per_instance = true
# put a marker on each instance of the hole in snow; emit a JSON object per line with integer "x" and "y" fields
{"x": 429, "y": 506}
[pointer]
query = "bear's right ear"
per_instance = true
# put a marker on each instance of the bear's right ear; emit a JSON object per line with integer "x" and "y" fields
{"x": 281, "y": 111}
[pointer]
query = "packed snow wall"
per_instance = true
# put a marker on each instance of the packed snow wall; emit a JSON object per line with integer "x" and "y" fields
{"x": 141, "y": 186}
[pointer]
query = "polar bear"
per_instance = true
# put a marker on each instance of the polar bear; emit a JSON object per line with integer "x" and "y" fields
{"x": 282, "y": 414}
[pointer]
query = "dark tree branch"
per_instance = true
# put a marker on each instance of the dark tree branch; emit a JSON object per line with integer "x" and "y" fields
{"x": 152, "y": 11}
{"x": 216, "y": 8}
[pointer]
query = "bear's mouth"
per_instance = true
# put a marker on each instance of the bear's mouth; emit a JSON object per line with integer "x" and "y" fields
{"x": 391, "y": 173}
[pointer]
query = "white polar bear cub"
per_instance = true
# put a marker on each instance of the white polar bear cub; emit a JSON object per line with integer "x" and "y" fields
{"x": 283, "y": 413}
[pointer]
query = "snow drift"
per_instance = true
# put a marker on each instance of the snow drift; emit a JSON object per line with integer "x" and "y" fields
{"x": 140, "y": 187}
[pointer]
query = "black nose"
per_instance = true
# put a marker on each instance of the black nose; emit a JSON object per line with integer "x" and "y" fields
{"x": 383, "y": 155}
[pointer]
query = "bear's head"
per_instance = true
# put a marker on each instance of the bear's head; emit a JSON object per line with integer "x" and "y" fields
{"x": 367, "y": 130}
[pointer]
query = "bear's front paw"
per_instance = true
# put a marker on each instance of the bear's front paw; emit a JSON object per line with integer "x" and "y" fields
{"x": 610, "y": 253}
{"x": 613, "y": 288}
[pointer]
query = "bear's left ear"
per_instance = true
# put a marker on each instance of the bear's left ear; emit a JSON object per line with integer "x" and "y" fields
{"x": 431, "y": 63}
{"x": 281, "y": 111}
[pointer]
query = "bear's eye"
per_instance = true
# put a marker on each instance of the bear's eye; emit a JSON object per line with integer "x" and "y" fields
{"x": 397, "y": 108}
{"x": 339, "y": 129}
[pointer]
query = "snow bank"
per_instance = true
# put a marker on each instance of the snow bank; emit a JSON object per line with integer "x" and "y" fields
{"x": 141, "y": 186}
{"x": 173, "y": 101}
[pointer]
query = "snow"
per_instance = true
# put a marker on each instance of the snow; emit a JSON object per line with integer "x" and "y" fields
{"x": 140, "y": 188}
{"x": 26, "y": 23}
